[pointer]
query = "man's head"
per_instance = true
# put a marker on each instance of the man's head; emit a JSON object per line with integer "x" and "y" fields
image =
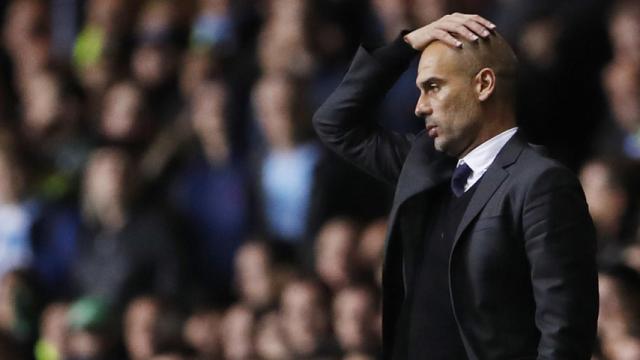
{"x": 466, "y": 94}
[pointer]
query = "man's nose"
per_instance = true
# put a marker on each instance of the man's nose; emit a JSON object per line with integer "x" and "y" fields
{"x": 423, "y": 108}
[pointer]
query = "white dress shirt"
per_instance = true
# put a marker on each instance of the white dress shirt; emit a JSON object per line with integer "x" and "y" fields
{"x": 480, "y": 158}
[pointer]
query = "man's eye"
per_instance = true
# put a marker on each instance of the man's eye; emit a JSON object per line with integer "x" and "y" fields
{"x": 432, "y": 87}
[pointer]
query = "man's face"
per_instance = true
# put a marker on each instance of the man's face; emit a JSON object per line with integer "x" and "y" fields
{"x": 448, "y": 101}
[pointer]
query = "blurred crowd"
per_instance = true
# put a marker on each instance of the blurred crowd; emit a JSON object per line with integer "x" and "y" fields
{"x": 163, "y": 195}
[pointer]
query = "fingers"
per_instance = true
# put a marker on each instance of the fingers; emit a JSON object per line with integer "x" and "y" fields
{"x": 482, "y": 21}
{"x": 470, "y": 27}
{"x": 446, "y": 37}
{"x": 460, "y": 29}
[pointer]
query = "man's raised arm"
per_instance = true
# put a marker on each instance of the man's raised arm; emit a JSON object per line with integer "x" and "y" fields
{"x": 345, "y": 121}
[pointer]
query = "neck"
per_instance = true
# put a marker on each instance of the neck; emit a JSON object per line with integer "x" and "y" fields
{"x": 495, "y": 121}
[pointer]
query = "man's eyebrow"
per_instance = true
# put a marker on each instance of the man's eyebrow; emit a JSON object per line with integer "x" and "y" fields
{"x": 431, "y": 79}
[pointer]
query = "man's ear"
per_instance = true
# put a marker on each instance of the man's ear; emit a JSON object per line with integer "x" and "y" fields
{"x": 485, "y": 83}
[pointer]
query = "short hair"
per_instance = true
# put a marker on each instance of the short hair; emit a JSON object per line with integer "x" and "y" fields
{"x": 492, "y": 52}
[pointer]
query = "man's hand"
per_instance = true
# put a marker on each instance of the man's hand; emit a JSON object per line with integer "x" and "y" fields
{"x": 468, "y": 26}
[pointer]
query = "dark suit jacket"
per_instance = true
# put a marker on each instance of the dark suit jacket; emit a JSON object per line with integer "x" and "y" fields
{"x": 522, "y": 269}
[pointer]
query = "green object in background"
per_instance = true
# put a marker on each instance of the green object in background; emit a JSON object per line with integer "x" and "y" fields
{"x": 88, "y": 314}
{"x": 89, "y": 46}
{"x": 45, "y": 351}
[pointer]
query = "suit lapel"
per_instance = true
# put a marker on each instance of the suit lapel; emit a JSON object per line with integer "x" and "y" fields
{"x": 423, "y": 169}
{"x": 490, "y": 181}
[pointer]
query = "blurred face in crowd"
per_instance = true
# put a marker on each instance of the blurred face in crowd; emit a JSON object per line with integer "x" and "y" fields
{"x": 139, "y": 323}
{"x": 208, "y": 105}
{"x": 618, "y": 310}
{"x": 122, "y": 112}
{"x": 353, "y": 314}
{"x": 371, "y": 246}
{"x": 253, "y": 275}
{"x": 274, "y": 111}
{"x": 25, "y": 20}
{"x": 335, "y": 247}
{"x": 105, "y": 181}
{"x": 281, "y": 46}
{"x": 153, "y": 61}
{"x": 85, "y": 344}
{"x": 213, "y": 6}
{"x": 109, "y": 15}
{"x": 270, "y": 343}
{"x": 202, "y": 333}
{"x": 237, "y": 337}
{"x": 54, "y": 328}
{"x": 426, "y": 11}
{"x": 607, "y": 202}
{"x": 538, "y": 42}
{"x": 156, "y": 17}
{"x": 152, "y": 65}
{"x": 393, "y": 14}
{"x": 42, "y": 104}
{"x": 26, "y": 37}
{"x": 622, "y": 86}
{"x": 624, "y": 31}
{"x": 196, "y": 67}
{"x": 303, "y": 316}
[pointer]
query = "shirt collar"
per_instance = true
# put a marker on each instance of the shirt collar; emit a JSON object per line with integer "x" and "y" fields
{"x": 480, "y": 158}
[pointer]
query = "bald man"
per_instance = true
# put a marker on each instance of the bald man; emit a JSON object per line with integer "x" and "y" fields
{"x": 490, "y": 251}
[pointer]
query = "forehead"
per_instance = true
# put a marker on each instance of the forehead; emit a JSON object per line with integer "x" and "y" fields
{"x": 440, "y": 61}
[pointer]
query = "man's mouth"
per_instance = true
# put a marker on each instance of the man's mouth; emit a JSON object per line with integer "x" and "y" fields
{"x": 432, "y": 130}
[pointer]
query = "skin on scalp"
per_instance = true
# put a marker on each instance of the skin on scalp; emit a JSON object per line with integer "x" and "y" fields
{"x": 466, "y": 93}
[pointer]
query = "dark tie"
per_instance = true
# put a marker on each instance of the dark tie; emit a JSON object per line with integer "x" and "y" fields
{"x": 459, "y": 179}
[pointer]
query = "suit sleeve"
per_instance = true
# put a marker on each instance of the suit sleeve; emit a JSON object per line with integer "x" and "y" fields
{"x": 561, "y": 246}
{"x": 345, "y": 122}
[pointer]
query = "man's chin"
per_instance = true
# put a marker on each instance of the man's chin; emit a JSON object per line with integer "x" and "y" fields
{"x": 439, "y": 144}
{"x": 444, "y": 147}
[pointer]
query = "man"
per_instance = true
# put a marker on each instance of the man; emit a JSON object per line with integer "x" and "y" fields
{"x": 490, "y": 251}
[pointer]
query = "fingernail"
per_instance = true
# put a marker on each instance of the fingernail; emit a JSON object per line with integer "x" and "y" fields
{"x": 473, "y": 37}
{"x": 485, "y": 33}
{"x": 458, "y": 44}
{"x": 493, "y": 26}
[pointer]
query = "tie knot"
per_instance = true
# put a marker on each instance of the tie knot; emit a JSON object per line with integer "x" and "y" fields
{"x": 459, "y": 179}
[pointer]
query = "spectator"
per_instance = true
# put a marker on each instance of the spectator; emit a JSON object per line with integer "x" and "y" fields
{"x": 211, "y": 189}
{"x": 53, "y": 130}
{"x": 155, "y": 58}
{"x": 622, "y": 86}
{"x": 354, "y": 314}
{"x": 124, "y": 119}
{"x": 54, "y": 332}
{"x": 269, "y": 340}
{"x": 202, "y": 331}
{"x": 370, "y": 249}
{"x": 335, "y": 250}
{"x": 609, "y": 203}
{"x": 140, "y": 320}
{"x": 619, "y": 315}
{"x": 254, "y": 276}
{"x": 286, "y": 177}
{"x": 123, "y": 249}
{"x": 305, "y": 322}
{"x": 237, "y": 333}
